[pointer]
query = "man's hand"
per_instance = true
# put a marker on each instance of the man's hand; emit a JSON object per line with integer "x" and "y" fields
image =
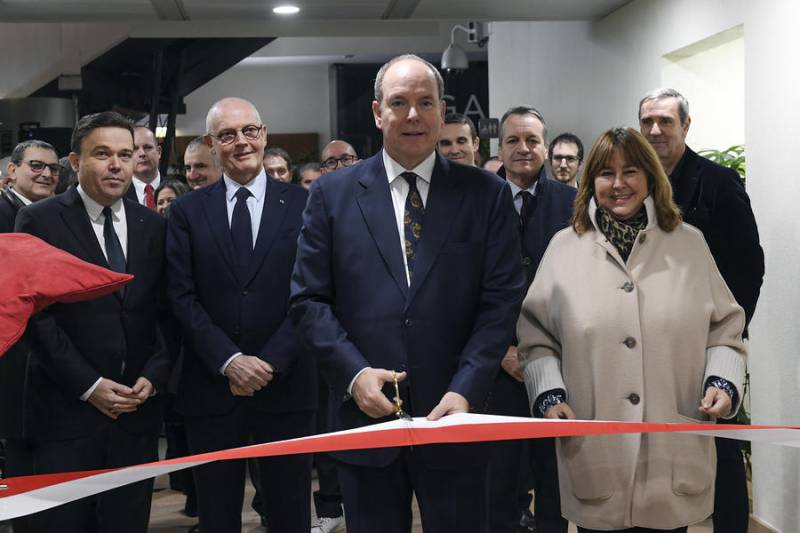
{"x": 141, "y": 390}
{"x": 368, "y": 394}
{"x": 248, "y": 373}
{"x": 560, "y": 410}
{"x": 451, "y": 403}
{"x": 510, "y": 364}
{"x": 236, "y": 391}
{"x": 113, "y": 399}
{"x": 716, "y": 403}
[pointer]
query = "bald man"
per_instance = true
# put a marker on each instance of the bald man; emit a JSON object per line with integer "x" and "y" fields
{"x": 231, "y": 247}
{"x": 338, "y": 154}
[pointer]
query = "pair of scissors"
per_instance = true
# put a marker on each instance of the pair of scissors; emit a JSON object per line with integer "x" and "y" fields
{"x": 398, "y": 402}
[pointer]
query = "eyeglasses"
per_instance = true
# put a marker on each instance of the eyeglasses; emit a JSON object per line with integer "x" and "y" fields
{"x": 39, "y": 166}
{"x": 250, "y": 132}
{"x": 346, "y": 160}
{"x": 570, "y": 159}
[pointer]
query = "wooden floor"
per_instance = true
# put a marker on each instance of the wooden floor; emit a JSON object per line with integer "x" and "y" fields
{"x": 166, "y": 516}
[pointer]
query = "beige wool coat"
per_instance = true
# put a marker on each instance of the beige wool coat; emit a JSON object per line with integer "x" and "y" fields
{"x": 632, "y": 342}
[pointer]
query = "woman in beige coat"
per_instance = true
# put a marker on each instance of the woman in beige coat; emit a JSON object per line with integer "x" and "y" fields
{"x": 629, "y": 319}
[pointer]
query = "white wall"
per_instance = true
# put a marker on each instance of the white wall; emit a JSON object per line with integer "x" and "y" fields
{"x": 772, "y": 118}
{"x": 589, "y": 76}
{"x": 290, "y": 98}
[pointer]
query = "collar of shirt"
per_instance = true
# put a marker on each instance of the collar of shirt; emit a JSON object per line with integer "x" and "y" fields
{"x": 95, "y": 210}
{"x": 515, "y": 190}
{"x": 424, "y": 170}
{"x": 139, "y": 185}
{"x": 257, "y": 187}
{"x": 21, "y": 198}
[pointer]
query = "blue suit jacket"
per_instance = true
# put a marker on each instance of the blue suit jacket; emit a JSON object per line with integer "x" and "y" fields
{"x": 222, "y": 311}
{"x": 554, "y": 205}
{"x": 353, "y": 307}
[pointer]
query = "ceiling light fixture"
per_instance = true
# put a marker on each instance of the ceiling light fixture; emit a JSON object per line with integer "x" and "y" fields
{"x": 454, "y": 57}
{"x": 286, "y": 10}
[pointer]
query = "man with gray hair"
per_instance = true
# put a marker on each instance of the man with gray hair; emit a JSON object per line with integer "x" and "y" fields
{"x": 713, "y": 199}
{"x": 200, "y": 166}
{"x": 396, "y": 333}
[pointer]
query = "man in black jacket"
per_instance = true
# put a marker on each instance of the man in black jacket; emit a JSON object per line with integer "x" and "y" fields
{"x": 33, "y": 176}
{"x": 543, "y": 207}
{"x": 711, "y": 198}
{"x": 98, "y": 368}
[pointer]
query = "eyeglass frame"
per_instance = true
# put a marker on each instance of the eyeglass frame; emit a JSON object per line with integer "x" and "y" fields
{"x": 236, "y": 132}
{"x": 353, "y": 160}
{"x": 571, "y": 159}
{"x": 55, "y": 168}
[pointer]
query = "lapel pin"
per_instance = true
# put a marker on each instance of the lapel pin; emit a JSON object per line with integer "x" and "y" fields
{"x": 282, "y": 201}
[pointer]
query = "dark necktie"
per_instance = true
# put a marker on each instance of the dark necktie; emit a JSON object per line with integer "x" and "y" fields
{"x": 412, "y": 220}
{"x": 526, "y": 211}
{"x": 242, "y": 229}
{"x": 116, "y": 258}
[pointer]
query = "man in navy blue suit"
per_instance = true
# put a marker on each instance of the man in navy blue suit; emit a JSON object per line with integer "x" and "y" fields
{"x": 408, "y": 263}
{"x": 230, "y": 251}
{"x": 543, "y": 207}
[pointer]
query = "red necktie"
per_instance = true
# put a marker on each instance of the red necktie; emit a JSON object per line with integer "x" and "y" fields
{"x": 149, "y": 201}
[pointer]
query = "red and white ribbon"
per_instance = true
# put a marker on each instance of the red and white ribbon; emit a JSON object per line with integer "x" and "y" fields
{"x": 25, "y": 495}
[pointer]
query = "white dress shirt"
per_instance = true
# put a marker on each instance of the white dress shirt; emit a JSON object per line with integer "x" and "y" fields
{"x": 22, "y": 198}
{"x": 255, "y": 204}
{"x": 516, "y": 189}
{"x": 97, "y": 219}
{"x": 139, "y": 185}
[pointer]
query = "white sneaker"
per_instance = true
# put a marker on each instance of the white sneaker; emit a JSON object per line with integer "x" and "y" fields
{"x": 326, "y": 524}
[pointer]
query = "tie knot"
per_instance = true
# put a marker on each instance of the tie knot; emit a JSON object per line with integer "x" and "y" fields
{"x": 525, "y": 195}
{"x": 410, "y": 178}
{"x": 107, "y": 212}
{"x": 148, "y": 187}
{"x": 243, "y": 193}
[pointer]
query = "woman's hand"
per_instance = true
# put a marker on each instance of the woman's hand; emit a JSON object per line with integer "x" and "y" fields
{"x": 716, "y": 403}
{"x": 561, "y": 410}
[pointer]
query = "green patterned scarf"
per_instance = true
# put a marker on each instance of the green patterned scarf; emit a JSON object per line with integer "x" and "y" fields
{"x": 621, "y": 233}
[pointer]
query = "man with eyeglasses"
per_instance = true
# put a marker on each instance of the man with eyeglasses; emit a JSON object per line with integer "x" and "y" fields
{"x": 33, "y": 176}
{"x": 542, "y": 207}
{"x": 338, "y": 154}
{"x": 566, "y": 156}
{"x": 230, "y": 249}
{"x": 146, "y": 177}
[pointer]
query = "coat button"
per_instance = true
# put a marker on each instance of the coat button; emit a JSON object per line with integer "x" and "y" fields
{"x": 526, "y": 261}
{"x": 634, "y": 398}
{"x": 630, "y": 342}
{"x": 407, "y": 322}
{"x": 627, "y": 286}
{"x": 642, "y": 238}
{"x": 245, "y": 293}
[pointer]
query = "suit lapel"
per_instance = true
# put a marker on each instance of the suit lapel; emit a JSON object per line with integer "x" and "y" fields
{"x": 686, "y": 180}
{"x": 77, "y": 221}
{"x": 376, "y": 206}
{"x": 444, "y": 200}
{"x": 272, "y": 217}
{"x": 216, "y": 212}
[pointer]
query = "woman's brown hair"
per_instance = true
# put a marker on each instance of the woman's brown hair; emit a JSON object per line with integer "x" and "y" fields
{"x": 636, "y": 151}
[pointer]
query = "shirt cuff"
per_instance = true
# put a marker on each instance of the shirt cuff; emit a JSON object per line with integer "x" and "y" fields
{"x": 352, "y": 382}
{"x": 224, "y": 366}
{"x": 548, "y": 399}
{"x": 85, "y": 395}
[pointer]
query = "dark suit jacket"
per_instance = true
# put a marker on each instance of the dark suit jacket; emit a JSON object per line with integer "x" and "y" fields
{"x": 223, "y": 312}
{"x": 712, "y": 198}
{"x": 353, "y": 306}
{"x": 130, "y": 194}
{"x": 553, "y": 209}
{"x": 75, "y": 344}
{"x": 13, "y": 365}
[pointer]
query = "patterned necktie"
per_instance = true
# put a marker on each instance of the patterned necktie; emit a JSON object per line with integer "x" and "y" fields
{"x": 242, "y": 228}
{"x": 412, "y": 220}
{"x": 116, "y": 258}
{"x": 149, "y": 199}
{"x": 526, "y": 211}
